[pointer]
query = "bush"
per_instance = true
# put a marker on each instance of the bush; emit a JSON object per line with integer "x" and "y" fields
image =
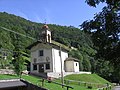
{"x": 89, "y": 87}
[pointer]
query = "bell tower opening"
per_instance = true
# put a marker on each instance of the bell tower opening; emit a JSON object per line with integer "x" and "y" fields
{"x": 49, "y": 38}
{"x": 45, "y": 35}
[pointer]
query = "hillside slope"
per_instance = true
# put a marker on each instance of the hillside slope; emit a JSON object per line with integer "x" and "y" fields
{"x": 70, "y": 36}
{"x": 91, "y": 78}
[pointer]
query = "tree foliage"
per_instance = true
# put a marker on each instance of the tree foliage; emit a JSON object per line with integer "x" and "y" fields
{"x": 20, "y": 57}
{"x": 105, "y": 30}
{"x": 20, "y": 62}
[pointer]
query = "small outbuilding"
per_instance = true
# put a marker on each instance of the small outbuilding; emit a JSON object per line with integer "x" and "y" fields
{"x": 71, "y": 65}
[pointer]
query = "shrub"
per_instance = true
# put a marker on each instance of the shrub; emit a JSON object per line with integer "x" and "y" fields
{"x": 89, "y": 87}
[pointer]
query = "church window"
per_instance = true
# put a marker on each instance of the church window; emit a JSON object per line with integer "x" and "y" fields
{"x": 41, "y": 53}
{"x": 47, "y": 66}
{"x": 76, "y": 64}
{"x": 34, "y": 67}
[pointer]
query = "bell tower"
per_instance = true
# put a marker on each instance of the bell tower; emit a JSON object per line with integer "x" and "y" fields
{"x": 45, "y": 34}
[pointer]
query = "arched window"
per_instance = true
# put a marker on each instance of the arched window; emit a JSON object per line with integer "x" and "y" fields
{"x": 49, "y": 38}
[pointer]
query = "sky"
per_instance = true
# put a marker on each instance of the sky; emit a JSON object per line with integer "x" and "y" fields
{"x": 60, "y": 12}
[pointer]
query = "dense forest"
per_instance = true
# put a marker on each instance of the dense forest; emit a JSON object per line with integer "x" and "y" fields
{"x": 11, "y": 42}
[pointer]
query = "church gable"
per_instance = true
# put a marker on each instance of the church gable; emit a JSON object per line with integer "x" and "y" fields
{"x": 41, "y": 46}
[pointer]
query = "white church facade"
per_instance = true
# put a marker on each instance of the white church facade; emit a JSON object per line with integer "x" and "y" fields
{"x": 48, "y": 57}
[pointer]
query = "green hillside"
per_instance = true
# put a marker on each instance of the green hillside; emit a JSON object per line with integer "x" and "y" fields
{"x": 67, "y": 35}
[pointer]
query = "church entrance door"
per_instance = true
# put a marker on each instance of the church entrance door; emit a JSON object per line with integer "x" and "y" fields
{"x": 41, "y": 68}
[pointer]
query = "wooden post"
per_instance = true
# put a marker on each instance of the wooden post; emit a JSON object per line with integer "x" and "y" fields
{"x": 62, "y": 77}
{"x": 85, "y": 84}
{"x": 42, "y": 82}
{"x": 65, "y": 81}
{"x": 67, "y": 88}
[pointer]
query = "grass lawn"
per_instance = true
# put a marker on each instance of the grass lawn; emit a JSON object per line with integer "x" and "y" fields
{"x": 5, "y": 77}
{"x": 52, "y": 86}
{"x": 93, "y": 78}
{"x": 87, "y": 80}
{"x": 32, "y": 79}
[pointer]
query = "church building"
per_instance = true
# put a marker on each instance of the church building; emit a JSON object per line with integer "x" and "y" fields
{"x": 50, "y": 57}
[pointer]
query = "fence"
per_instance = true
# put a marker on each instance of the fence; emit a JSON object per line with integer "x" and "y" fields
{"x": 89, "y": 85}
{"x": 49, "y": 80}
{"x": 109, "y": 87}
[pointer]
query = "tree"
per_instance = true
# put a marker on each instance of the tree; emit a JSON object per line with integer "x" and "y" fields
{"x": 5, "y": 58}
{"x": 104, "y": 30}
{"x": 78, "y": 55}
{"x": 20, "y": 62}
{"x": 86, "y": 63}
{"x": 105, "y": 27}
{"x": 112, "y": 3}
{"x": 20, "y": 57}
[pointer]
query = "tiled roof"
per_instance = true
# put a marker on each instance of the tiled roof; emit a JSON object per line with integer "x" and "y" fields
{"x": 53, "y": 43}
{"x": 72, "y": 59}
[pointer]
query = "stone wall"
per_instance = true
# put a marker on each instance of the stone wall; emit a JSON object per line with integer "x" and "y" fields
{"x": 6, "y": 71}
{"x": 58, "y": 75}
{"x": 10, "y": 71}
